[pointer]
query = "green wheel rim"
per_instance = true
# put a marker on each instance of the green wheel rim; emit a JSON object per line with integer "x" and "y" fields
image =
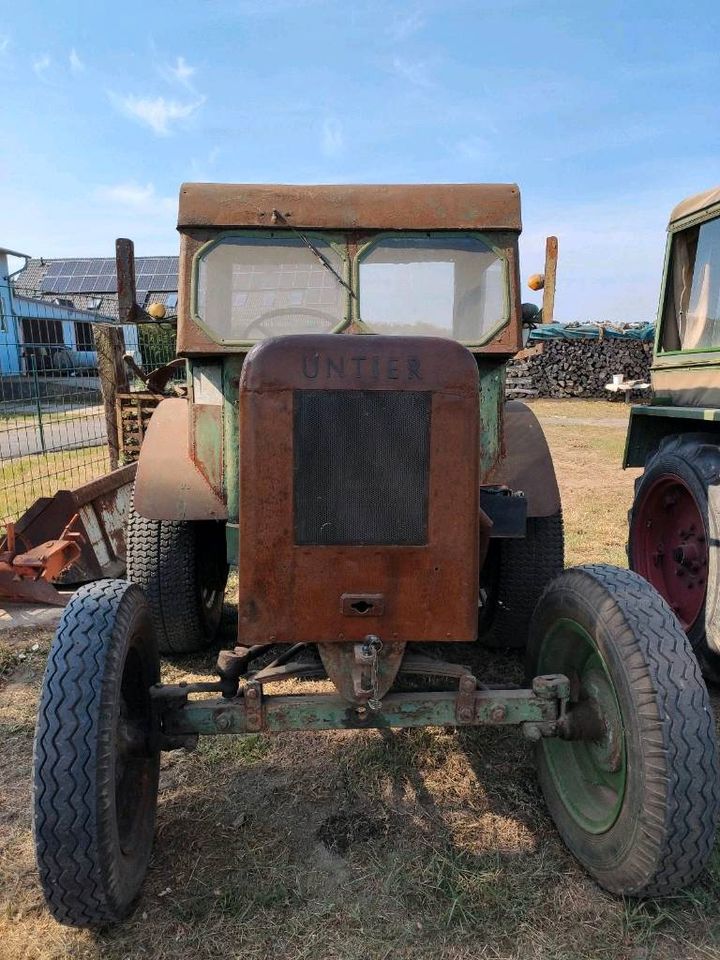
{"x": 588, "y": 775}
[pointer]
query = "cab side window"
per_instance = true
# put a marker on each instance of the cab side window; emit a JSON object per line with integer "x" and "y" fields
{"x": 691, "y": 312}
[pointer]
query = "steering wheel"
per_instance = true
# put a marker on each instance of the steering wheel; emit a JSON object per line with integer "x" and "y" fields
{"x": 270, "y": 315}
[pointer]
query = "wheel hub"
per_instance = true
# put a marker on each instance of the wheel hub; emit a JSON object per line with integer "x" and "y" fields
{"x": 669, "y": 546}
{"x": 587, "y": 761}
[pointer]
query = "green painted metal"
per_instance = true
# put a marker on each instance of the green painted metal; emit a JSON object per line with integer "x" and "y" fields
{"x": 232, "y": 365}
{"x": 649, "y": 425}
{"x": 680, "y": 413}
{"x": 329, "y": 712}
{"x": 589, "y": 775}
{"x": 492, "y": 402}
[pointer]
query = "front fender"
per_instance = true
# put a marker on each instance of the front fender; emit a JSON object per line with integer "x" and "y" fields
{"x": 526, "y": 463}
{"x": 168, "y": 485}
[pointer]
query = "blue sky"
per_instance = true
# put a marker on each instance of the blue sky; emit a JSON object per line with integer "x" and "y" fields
{"x": 606, "y": 114}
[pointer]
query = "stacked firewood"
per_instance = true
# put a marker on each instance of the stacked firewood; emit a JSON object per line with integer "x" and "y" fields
{"x": 577, "y": 368}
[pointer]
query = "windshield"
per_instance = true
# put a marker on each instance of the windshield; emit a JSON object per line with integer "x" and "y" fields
{"x": 252, "y": 288}
{"x": 433, "y": 286}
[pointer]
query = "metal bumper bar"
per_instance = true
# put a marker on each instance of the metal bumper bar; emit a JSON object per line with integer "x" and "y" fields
{"x": 539, "y": 709}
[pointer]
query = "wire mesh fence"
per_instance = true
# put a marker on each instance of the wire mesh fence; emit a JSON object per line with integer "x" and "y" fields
{"x": 54, "y": 429}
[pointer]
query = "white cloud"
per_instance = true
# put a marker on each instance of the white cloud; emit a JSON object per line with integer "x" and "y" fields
{"x": 333, "y": 139}
{"x": 136, "y": 198}
{"x": 413, "y": 71}
{"x": 4, "y": 43}
{"x": 41, "y": 65}
{"x": 405, "y": 26}
{"x": 76, "y": 64}
{"x": 473, "y": 148}
{"x": 181, "y": 72}
{"x": 156, "y": 112}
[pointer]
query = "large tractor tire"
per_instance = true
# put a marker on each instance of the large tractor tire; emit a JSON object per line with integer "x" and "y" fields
{"x": 514, "y": 576}
{"x": 634, "y": 790}
{"x": 674, "y": 537}
{"x": 182, "y": 569}
{"x": 97, "y": 758}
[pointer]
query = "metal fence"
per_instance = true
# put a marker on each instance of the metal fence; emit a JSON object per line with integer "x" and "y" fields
{"x": 53, "y": 424}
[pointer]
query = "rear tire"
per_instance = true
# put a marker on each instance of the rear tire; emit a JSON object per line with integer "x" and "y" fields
{"x": 638, "y": 804}
{"x": 514, "y": 576}
{"x": 182, "y": 569}
{"x": 96, "y": 758}
{"x": 679, "y": 489}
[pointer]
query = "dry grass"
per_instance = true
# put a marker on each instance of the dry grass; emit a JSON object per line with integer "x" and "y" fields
{"x": 341, "y": 846}
{"x": 596, "y": 493}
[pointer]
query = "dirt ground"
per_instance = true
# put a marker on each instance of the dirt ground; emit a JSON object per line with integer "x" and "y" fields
{"x": 361, "y": 846}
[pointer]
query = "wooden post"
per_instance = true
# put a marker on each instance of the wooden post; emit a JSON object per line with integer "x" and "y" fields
{"x": 551, "y": 256}
{"x": 110, "y": 348}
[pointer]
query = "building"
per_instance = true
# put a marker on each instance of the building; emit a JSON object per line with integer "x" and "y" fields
{"x": 49, "y": 307}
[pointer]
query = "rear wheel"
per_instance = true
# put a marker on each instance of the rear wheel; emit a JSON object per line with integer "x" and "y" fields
{"x": 514, "y": 576}
{"x": 633, "y": 787}
{"x": 182, "y": 569}
{"x": 674, "y": 531}
{"x": 97, "y": 759}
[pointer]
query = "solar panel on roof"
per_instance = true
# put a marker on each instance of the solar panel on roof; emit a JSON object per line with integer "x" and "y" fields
{"x": 159, "y": 274}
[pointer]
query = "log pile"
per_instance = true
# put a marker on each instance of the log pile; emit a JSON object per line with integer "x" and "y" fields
{"x": 577, "y": 368}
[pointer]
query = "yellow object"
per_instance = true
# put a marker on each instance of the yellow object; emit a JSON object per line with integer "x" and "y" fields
{"x": 157, "y": 310}
{"x": 536, "y": 281}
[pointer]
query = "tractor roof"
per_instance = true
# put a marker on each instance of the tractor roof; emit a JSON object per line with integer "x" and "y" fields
{"x": 445, "y": 206}
{"x": 696, "y": 203}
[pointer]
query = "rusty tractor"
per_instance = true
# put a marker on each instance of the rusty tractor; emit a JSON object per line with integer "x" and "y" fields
{"x": 345, "y": 443}
{"x": 675, "y": 516}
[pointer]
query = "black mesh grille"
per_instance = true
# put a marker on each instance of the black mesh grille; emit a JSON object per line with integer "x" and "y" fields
{"x": 361, "y": 466}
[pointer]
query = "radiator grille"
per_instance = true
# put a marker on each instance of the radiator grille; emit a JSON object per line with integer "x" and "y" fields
{"x": 361, "y": 465}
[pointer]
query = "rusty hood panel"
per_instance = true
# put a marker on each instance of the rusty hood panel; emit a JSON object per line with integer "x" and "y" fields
{"x": 296, "y": 582}
{"x": 443, "y": 206}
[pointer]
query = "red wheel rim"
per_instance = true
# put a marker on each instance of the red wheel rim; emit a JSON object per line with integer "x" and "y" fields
{"x": 669, "y": 546}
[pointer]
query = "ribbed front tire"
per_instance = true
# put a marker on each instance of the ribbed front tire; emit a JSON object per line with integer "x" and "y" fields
{"x": 637, "y": 803}
{"x": 96, "y": 758}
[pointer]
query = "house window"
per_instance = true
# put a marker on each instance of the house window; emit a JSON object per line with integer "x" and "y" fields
{"x": 84, "y": 336}
{"x": 171, "y": 301}
{"x": 93, "y": 303}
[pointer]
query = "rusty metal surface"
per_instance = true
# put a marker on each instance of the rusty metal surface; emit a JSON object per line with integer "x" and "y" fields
{"x": 444, "y": 206}
{"x": 526, "y": 464}
{"x": 291, "y": 593}
{"x": 168, "y": 485}
{"x": 182, "y": 717}
{"x": 339, "y": 662}
{"x": 129, "y": 311}
{"x": 206, "y": 443}
{"x": 75, "y": 536}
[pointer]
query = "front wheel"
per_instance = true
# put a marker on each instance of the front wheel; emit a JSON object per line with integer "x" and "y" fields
{"x": 182, "y": 569}
{"x": 633, "y": 788}
{"x": 97, "y": 759}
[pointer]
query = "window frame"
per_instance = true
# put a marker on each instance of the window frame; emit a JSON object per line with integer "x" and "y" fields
{"x": 364, "y": 249}
{"x": 696, "y": 353}
{"x": 337, "y": 241}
